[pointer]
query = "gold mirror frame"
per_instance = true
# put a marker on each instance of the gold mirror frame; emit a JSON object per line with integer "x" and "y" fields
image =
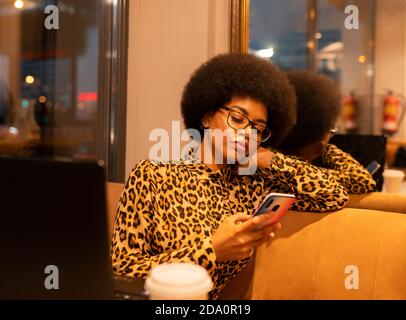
{"x": 239, "y": 22}
{"x": 239, "y": 28}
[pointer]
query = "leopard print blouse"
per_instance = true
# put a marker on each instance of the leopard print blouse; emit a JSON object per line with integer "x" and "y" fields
{"x": 169, "y": 211}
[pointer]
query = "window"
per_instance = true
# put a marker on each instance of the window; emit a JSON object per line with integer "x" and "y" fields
{"x": 56, "y": 85}
{"x": 278, "y": 30}
{"x": 368, "y": 63}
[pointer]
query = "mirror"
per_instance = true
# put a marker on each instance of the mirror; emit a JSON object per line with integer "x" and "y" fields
{"x": 360, "y": 44}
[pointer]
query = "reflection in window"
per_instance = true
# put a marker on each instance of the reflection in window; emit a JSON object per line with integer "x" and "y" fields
{"x": 49, "y": 79}
{"x": 278, "y": 30}
{"x": 311, "y": 35}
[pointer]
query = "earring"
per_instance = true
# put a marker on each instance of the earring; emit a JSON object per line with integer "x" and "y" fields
{"x": 204, "y": 125}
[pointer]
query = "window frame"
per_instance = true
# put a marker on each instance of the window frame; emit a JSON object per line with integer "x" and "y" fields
{"x": 112, "y": 87}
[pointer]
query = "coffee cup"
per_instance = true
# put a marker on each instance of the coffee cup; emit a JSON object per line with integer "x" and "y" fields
{"x": 178, "y": 281}
{"x": 393, "y": 180}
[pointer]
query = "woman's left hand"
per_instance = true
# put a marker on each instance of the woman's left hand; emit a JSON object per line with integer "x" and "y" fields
{"x": 263, "y": 160}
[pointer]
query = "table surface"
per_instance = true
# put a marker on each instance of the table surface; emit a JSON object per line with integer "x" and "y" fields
{"x": 126, "y": 288}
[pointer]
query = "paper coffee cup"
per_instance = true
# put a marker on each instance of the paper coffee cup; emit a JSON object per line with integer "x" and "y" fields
{"x": 178, "y": 281}
{"x": 393, "y": 180}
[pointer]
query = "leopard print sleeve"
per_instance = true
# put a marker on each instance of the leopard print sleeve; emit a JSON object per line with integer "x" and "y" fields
{"x": 137, "y": 244}
{"x": 316, "y": 189}
{"x": 350, "y": 173}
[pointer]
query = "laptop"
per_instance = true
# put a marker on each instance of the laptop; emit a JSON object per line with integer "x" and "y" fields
{"x": 53, "y": 232}
{"x": 367, "y": 150}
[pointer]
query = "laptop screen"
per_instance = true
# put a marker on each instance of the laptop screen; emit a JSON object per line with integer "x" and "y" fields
{"x": 53, "y": 230}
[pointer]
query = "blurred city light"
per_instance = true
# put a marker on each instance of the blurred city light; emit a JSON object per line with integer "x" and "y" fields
{"x": 265, "y": 53}
{"x": 13, "y": 131}
{"x": 29, "y": 79}
{"x": 362, "y": 59}
{"x": 19, "y": 4}
{"x": 25, "y": 103}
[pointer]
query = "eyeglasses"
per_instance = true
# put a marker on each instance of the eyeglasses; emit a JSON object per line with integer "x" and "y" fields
{"x": 237, "y": 120}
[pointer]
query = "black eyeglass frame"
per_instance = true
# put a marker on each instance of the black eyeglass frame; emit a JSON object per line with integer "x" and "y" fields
{"x": 250, "y": 123}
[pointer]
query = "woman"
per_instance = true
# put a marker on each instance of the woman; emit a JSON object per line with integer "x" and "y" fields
{"x": 318, "y": 108}
{"x": 200, "y": 212}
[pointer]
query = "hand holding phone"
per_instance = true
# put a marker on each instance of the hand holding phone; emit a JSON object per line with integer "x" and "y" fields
{"x": 277, "y": 203}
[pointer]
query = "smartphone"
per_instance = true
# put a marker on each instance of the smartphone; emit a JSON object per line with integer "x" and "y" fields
{"x": 373, "y": 167}
{"x": 279, "y": 203}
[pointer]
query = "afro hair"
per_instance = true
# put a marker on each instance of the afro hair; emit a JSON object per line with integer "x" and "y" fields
{"x": 318, "y": 107}
{"x": 226, "y": 76}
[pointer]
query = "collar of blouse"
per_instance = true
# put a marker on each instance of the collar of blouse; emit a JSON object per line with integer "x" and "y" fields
{"x": 203, "y": 172}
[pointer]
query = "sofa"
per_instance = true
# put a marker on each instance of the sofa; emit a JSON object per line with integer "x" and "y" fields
{"x": 358, "y": 252}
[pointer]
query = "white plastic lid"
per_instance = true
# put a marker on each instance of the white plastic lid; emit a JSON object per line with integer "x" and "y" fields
{"x": 393, "y": 173}
{"x": 178, "y": 280}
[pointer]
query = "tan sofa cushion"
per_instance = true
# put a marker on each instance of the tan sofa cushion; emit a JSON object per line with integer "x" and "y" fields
{"x": 378, "y": 201}
{"x": 309, "y": 255}
{"x": 308, "y": 258}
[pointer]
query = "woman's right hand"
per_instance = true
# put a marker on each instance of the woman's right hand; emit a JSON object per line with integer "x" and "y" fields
{"x": 238, "y": 235}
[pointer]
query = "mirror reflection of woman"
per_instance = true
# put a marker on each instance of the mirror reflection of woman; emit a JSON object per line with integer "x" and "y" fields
{"x": 318, "y": 108}
{"x": 199, "y": 211}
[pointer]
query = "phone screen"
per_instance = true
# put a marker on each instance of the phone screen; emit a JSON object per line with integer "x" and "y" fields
{"x": 373, "y": 167}
{"x": 277, "y": 203}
